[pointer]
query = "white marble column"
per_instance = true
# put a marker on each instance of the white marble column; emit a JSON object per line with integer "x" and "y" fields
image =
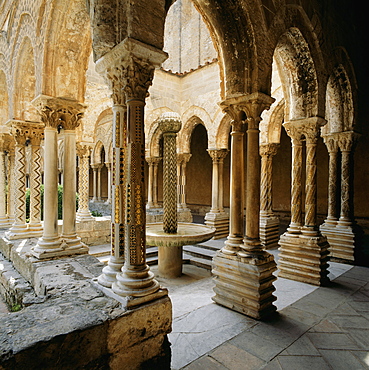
{"x": 83, "y": 213}
{"x": 99, "y": 168}
{"x": 216, "y": 217}
{"x": 55, "y": 112}
{"x": 184, "y": 213}
{"x": 269, "y": 223}
{"x": 94, "y": 181}
{"x": 108, "y": 166}
{"x": 70, "y": 118}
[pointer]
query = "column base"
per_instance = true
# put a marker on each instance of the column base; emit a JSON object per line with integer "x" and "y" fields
{"x": 5, "y": 223}
{"x": 304, "y": 259}
{"x": 35, "y": 230}
{"x": 57, "y": 247}
{"x": 84, "y": 216}
{"x": 219, "y": 221}
{"x": 19, "y": 231}
{"x": 269, "y": 232}
{"x": 74, "y": 243}
{"x": 232, "y": 245}
{"x": 342, "y": 240}
{"x": 138, "y": 286}
{"x": 245, "y": 285}
{"x": 109, "y": 272}
{"x": 184, "y": 215}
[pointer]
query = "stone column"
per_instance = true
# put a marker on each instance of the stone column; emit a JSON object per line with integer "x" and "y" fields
{"x": 70, "y": 114}
{"x": 248, "y": 272}
{"x": 346, "y": 233}
{"x": 130, "y": 67}
{"x": 55, "y": 112}
{"x": 19, "y": 228}
{"x": 3, "y": 216}
{"x": 216, "y": 217}
{"x": 116, "y": 260}
{"x": 269, "y": 224}
{"x": 94, "y": 182}
{"x": 236, "y": 227}
{"x": 83, "y": 213}
{"x": 35, "y": 226}
{"x": 108, "y": 166}
{"x": 152, "y": 194}
{"x": 303, "y": 250}
{"x": 331, "y": 142}
{"x": 99, "y": 168}
{"x": 184, "y": 213}
{"x": 11, "y": 186}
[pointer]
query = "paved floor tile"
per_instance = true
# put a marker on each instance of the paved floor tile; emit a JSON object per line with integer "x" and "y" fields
{"x": 342, "y": 360}
{"x": 326, "y": 326}
{"x": 235, "y": 358}
{"x": 257, "y": 346}
{"x": 302, "y": 346}
{"x": 348, "y": 321}
{"x": 361, "y": 337}
{"x": 363, "y": 356}
{"x": 303, "y": 363}
{"x": 205, "y": 363}
{"x": 332, "y": 341}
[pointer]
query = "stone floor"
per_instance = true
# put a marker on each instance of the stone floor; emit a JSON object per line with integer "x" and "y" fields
{"x": 315, "y": 328}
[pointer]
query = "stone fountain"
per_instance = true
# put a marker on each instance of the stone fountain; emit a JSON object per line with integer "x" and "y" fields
{"x": 170, "y": 236}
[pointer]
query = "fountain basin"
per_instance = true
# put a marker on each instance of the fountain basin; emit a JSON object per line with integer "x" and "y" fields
{"x": 170, "y": 245}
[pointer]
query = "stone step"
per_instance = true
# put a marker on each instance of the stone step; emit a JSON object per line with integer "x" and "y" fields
{"x": 197, "y": 261}
{"x": 199, "y": 252}
{"x": 100, "y": 250}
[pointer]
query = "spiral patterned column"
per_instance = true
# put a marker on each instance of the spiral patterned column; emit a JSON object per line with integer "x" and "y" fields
{"x": 83, "y": 212}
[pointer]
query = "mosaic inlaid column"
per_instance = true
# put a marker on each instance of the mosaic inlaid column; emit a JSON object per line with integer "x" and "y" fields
{"x": 244, "y": 280}
{"x": 35, "y": 226}
{"x": 83, "y": 213}
{"x": 20, "y": 134}
{"x": 70, "y": 116}
{"x": 216, "y": 217}
{"x": 269, "y": 223}
{"x": 116, "y": 260}
{"x": 303, "y": 250}
{"x": 134, "y": 64}
{"x": 4, "y": 222}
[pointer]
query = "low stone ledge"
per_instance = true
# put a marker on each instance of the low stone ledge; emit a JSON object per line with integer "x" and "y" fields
{"x": 76, "y": 325}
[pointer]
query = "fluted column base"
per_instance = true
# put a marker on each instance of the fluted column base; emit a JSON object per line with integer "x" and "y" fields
{"x": 304, "y": 259}
{"x": 245, "y": 285}
{"x": 219, "y": 221}
{"x": 269, "y": 232}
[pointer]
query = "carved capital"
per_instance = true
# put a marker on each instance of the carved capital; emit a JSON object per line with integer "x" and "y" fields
{"x": 170, "y": 122}
{"x": 268, "y": 150}
{"x": 308, "y": 128}
{"x": 83, "y": 150}
{"x": 26, "y": 130}
{"x": 347, "y": 140}
{"x": 59, "y": 111}
{"x": 217, "y": 155}
{"x": 331, "y": 142}
{"x": 183, "y": 158}
{"x": 153, "y": 160}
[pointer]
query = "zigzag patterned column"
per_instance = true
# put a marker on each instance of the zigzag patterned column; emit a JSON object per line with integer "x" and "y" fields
{"x": 35, "y": 226}
{"x": 4, "y": 194}
{"x": 19, "y": 227}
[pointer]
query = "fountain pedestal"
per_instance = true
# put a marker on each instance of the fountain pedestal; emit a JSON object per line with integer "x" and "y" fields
{"x": 170, "y": 245}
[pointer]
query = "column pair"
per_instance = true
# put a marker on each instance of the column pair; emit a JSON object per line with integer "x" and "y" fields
{"x": 339, "y": 226}
{"x": 25, "y": 133}
{"x": 56, "y": 113}
{"x": 129, "y": 70}
{"x": 152, "y": 193}
{"x": 217, "y": 217}
{"x": 303, "y": 250}
{"x": 243, "y": 271}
